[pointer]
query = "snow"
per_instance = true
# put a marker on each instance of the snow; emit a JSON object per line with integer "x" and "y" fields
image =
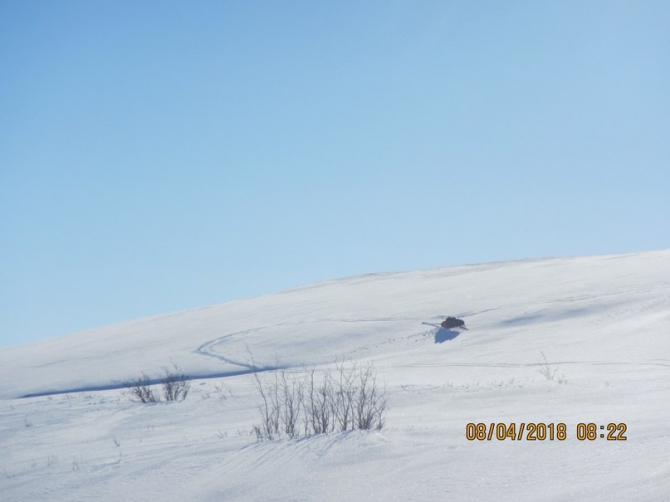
{"x": 603, "y": 324}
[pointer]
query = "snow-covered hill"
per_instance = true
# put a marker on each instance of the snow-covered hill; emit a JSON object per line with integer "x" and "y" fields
{"x": 603, "y": 324}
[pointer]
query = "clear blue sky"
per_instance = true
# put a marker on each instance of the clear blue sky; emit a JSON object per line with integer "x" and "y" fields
{"x": 160, "y": 155}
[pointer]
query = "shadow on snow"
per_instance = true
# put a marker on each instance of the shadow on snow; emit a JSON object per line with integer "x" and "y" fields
{"x": 119, "y": 385}
{"x": 442, "y": 335}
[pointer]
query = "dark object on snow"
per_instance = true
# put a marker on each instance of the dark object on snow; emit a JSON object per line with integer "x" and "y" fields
{"x": 452, "y": 322}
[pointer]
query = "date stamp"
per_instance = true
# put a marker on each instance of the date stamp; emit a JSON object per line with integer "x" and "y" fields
{"x": 540, "y": 431}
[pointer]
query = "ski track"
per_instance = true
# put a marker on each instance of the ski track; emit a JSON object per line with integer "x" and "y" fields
{"x": 207, "y": 348}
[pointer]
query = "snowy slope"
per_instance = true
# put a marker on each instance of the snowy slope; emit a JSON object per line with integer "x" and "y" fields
{"x": 603, "y": 324}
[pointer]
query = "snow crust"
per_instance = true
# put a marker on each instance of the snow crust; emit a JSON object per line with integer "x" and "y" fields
{"x": 603, "y": 324}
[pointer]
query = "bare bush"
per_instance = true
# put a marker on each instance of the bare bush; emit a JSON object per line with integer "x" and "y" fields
{"x": 291, "y": 395}
{"x": 140, "y": 389}
{"x": 269, "y": 408}
{"x": 546, "y": 370}
{"x": 322, "y": 402}
{"x": 345, "y": 393}
{"x": 370, "y": 402}
{"x": 175, "y": 384}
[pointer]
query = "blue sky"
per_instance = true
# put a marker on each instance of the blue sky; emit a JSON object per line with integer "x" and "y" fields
{"x": 159, "y": 156}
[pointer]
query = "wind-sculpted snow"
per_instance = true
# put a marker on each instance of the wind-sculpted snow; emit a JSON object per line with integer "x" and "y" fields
{"x": 578, "y": 340}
